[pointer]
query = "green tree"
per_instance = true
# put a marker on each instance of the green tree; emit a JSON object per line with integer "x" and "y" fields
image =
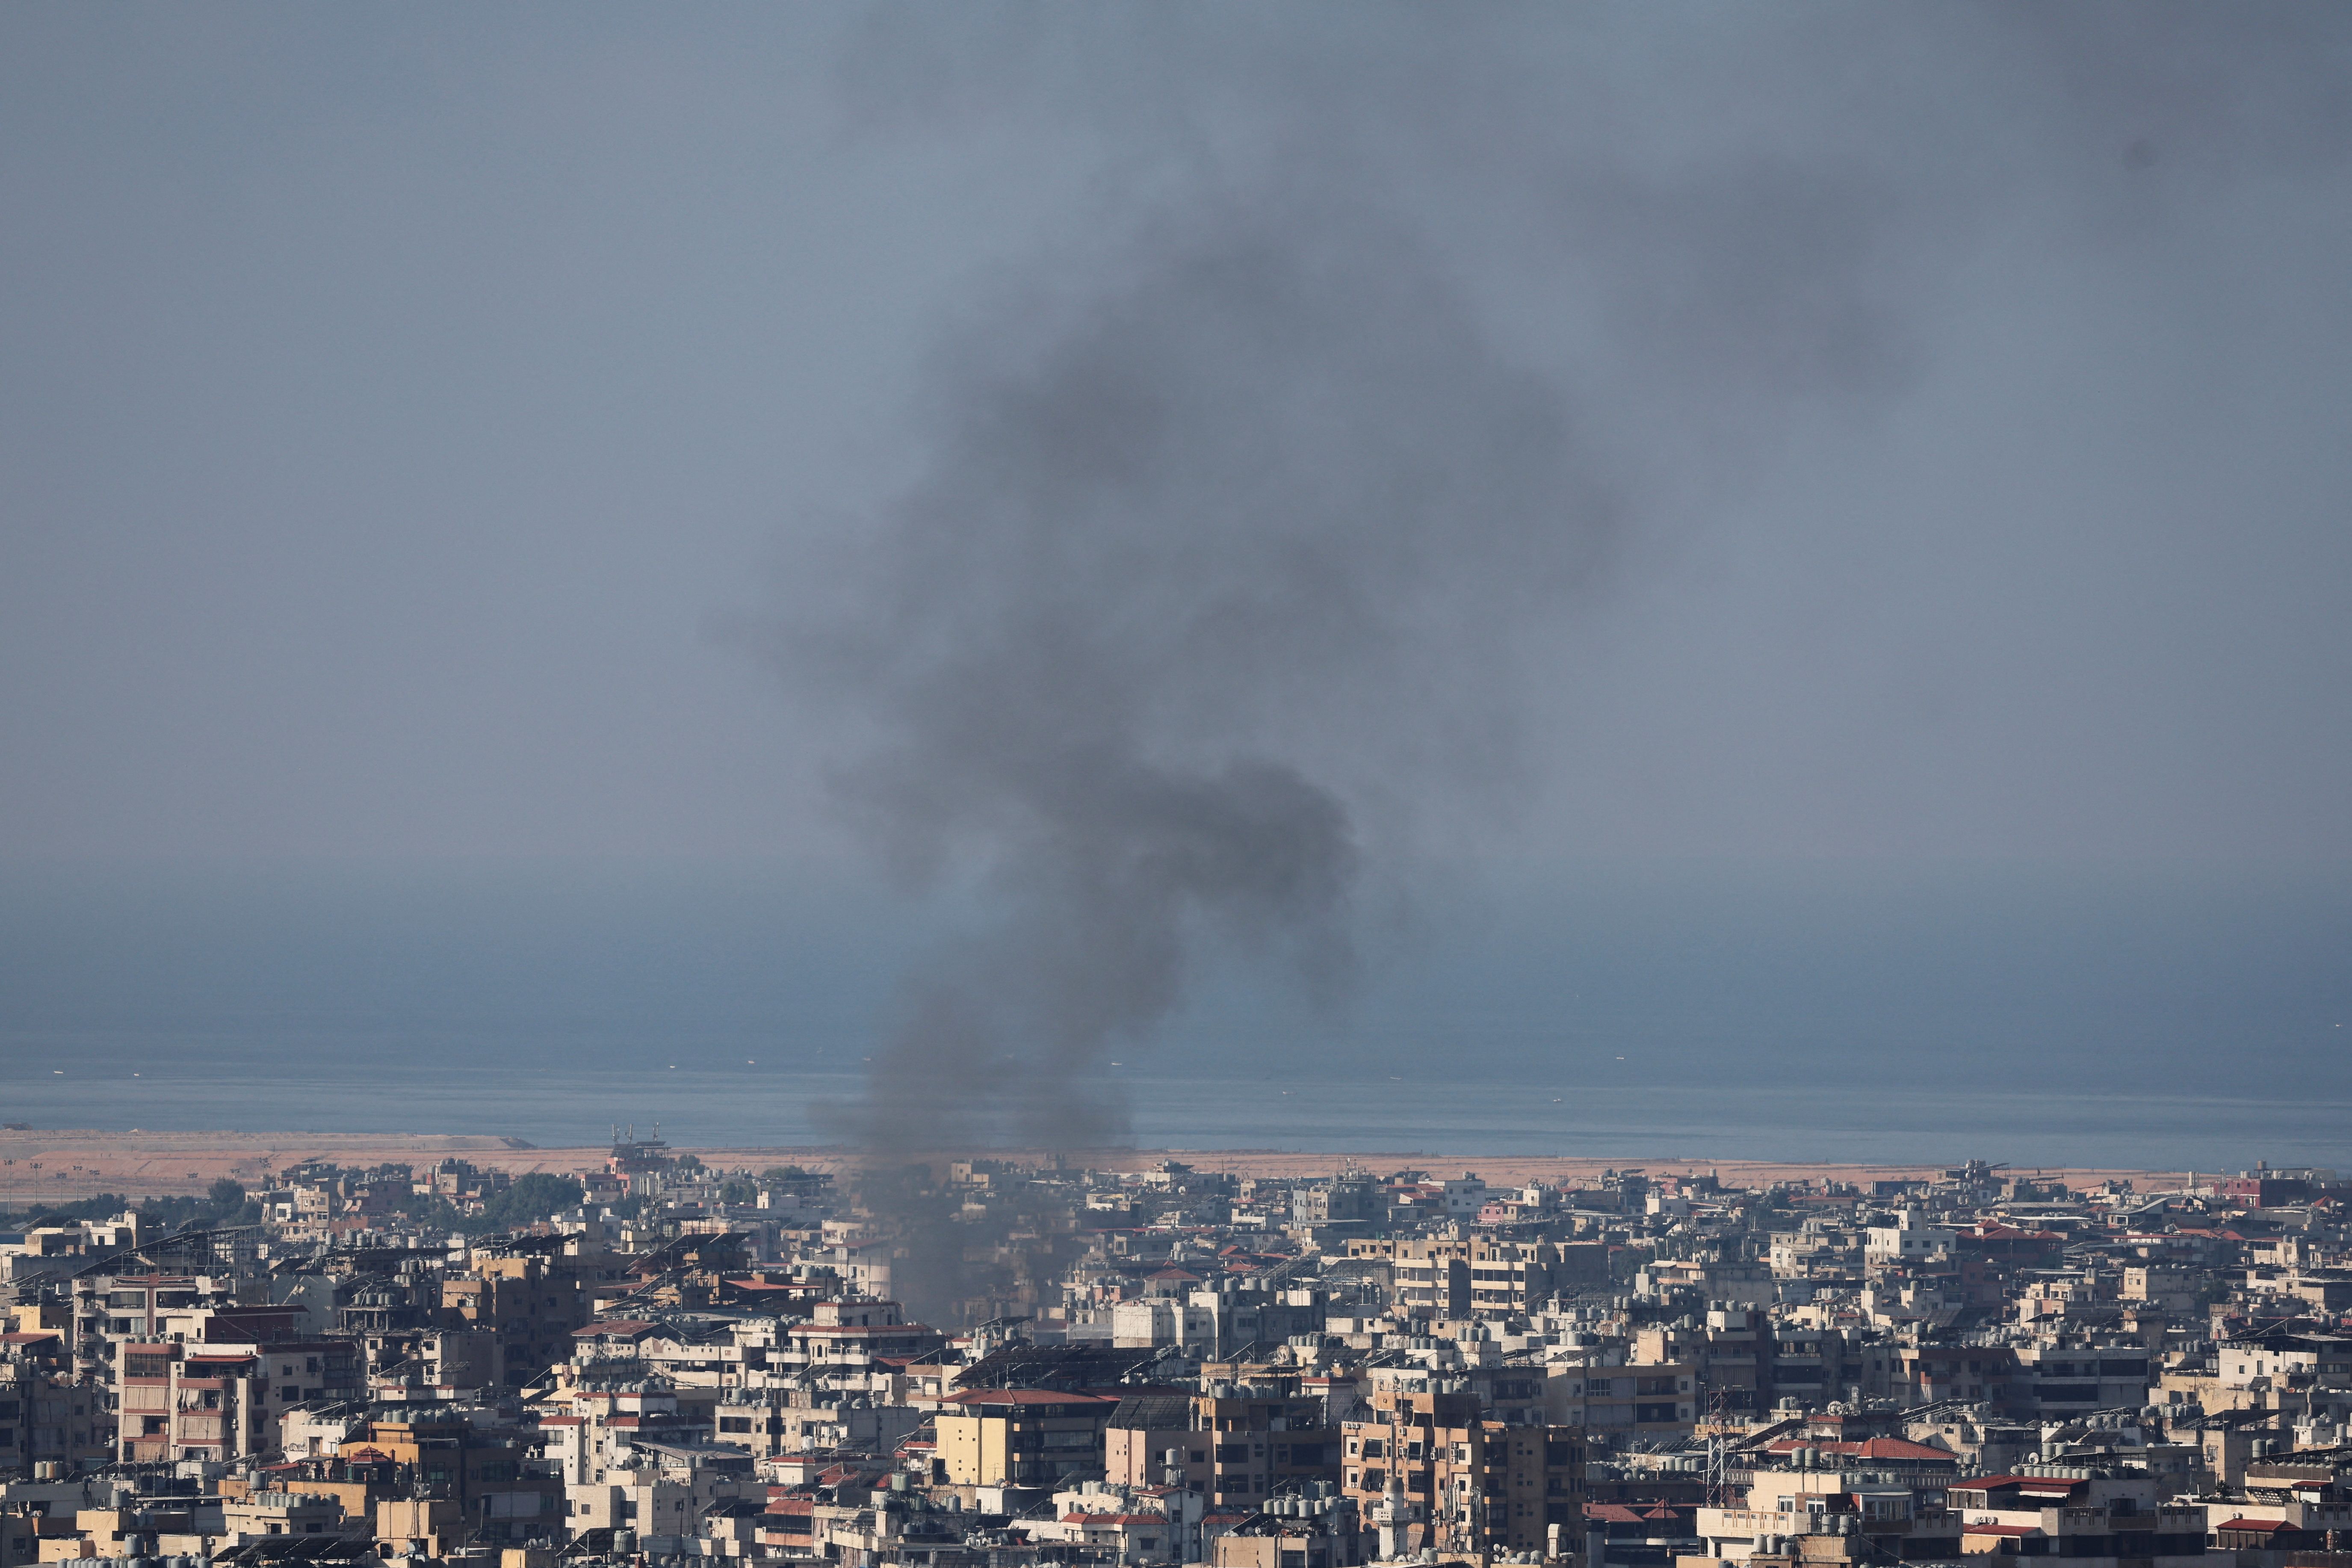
{"x": 529, "y": 1198}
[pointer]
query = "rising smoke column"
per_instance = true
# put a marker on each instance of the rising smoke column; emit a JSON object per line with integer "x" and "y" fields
{"x": 1210, "y": 566}
{"x": 1226, "y": 541}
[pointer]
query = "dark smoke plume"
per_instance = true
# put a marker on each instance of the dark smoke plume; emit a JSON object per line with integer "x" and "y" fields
{"x": 1195, "y": 576}
{"x": 1226, "y": 540}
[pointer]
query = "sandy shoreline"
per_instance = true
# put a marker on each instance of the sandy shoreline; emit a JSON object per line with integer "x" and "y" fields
{"x": 55, "y": 1165}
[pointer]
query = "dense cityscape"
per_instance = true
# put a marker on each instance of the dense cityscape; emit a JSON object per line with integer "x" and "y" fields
{"x": 989, "y": 1363}
{"x": 1357, "y": 778}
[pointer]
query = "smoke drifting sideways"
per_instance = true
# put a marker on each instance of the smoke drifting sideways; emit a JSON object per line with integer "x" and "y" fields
{"x": 1204, "y": 563}
{"x": 1230, "y": 539}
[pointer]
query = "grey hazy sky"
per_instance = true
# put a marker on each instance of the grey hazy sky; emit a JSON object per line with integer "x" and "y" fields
{"x": 404, "y": 409}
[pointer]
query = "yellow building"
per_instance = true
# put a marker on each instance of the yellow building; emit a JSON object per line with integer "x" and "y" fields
{"x": 1021, "y": 1437}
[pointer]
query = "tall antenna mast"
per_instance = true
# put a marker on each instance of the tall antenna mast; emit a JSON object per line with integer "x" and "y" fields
{"x": 1718, "y": 1480}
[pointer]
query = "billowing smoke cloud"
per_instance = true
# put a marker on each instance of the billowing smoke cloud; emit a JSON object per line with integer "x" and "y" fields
{"x": 1231, "y": 531}
{"x": 1196, "y": 569}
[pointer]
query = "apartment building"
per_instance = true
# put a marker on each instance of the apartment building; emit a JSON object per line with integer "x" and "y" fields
{"x": 218, "y": 1401}
{"x": 529, "y": 1303}
{"x": 1442, "y": 1478}
{"x": 46, "y": 1419}
{"x": 1020, "y": 1437}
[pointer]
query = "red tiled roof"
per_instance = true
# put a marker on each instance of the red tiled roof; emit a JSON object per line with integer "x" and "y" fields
{"x": 2016, "y": 1530}
{"x": 2264, "y": 1525}
{"x": 1025, "y": 1397}
{"x": 1900, "y": 1448}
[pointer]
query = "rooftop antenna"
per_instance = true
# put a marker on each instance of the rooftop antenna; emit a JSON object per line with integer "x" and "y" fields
{"x": 1718, "y": 1487}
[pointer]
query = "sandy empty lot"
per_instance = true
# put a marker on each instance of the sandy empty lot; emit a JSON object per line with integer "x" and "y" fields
{"x": 60, "y": 1164}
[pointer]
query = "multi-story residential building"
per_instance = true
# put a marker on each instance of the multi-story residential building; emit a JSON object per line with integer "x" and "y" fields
{"x": 664, "y": 1492}
{"x": 851, "y": 1334}
{"x": 1020, "y": 1437}
{"x": 1348, "y": 1198}
{"x": 1909, "y": 1241}
{"x": 1808, "y": 1364}
{"x": 1128, "y": 1523}
{"x": 1164, "y": 1320}
{"x": 1649, "y": 1399}
{"x": 221, "y": 1401}
{"x": 2055, "y": 1381}
{"x": 46, "y": 1418}
{"x": 1295, "y": 1533}
{"x": 1241, "y": 1317}
{"x": 531, "y": 1304}
{"x": 112, "y": 1310}
{"x": 1932, "y": 1373}
{"x": 602, "y": 1421}
{"x": 1432, "y": 1460}
{"x": 2105, "y": 1523}
{"x": 1463, "y": 1277}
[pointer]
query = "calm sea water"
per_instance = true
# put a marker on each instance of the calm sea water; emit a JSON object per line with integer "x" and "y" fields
{"x": 2146, "y": 1020}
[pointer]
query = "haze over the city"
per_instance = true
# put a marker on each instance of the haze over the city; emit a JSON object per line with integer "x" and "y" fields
{"x": 1803, "y": 537}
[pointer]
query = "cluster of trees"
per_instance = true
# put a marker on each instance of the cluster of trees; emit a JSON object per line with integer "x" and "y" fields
{"x": 528, "y": 1198}
{"x": 224, "y": 1204}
